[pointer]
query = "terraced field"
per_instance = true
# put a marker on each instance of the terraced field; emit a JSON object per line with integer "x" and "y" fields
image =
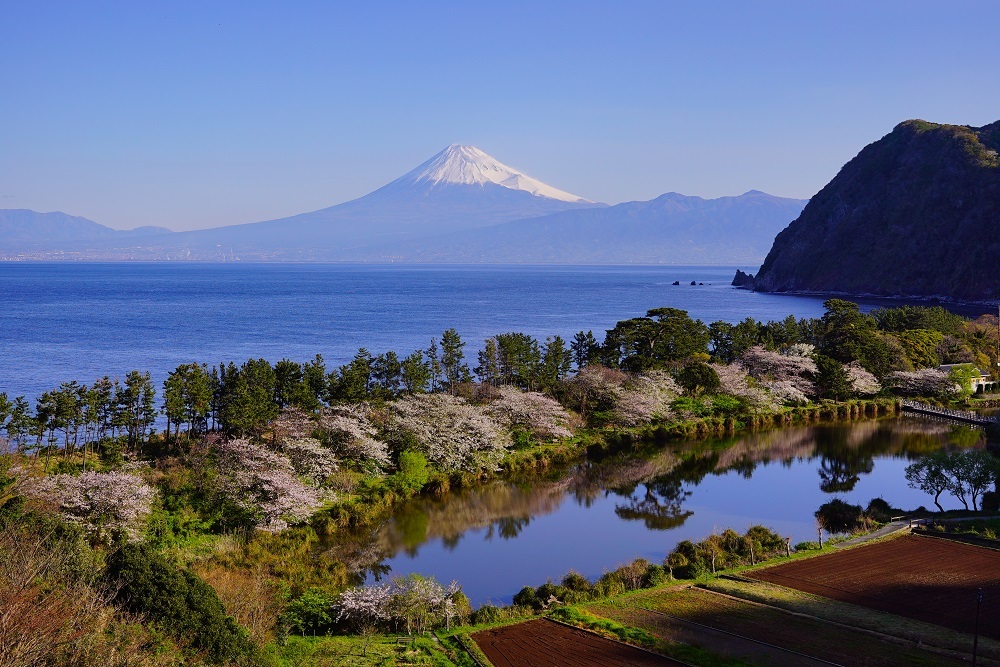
{"x": 544, "y": 643}
{"x": 742, "y": 630}
{"x": 925, "y": 578}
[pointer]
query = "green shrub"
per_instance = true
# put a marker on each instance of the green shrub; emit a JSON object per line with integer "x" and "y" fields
{"x": 690, "y": 560}
{"x": 489, "y": 613}
{"x": 521, "y": 439}
{"x": 310, "y": 613}
{"x": 65, "y": 467}
{"x": 10, "y": 501}
{"x": 575, "y": 581}
{"x": 837, "y": 516}
{"x": 412, "y": 473}
{"x": 178, "y": 601}
{"x": 726, "y": 406}
{"x": 687, "y": 404}
{"x": 526, "y": 597}
{"x": 698, "y": 377}
{"x": 656, "y": 575}
{"x": 549, "y": 594}
{"x": 112, "y": 452}
{"x": 769, "y": 541}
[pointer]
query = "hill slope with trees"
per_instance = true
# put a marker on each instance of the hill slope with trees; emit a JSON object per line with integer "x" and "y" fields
{"x": 914, "y": 214}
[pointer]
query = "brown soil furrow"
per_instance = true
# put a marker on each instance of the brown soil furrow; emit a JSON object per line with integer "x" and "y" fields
{"x": 544, "y": 643}
{"x": 926, "y": 579}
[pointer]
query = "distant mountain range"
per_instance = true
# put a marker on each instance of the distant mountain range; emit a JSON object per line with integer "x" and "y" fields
{"x": 915, "y": 214}
{"x": 24, "y": 230}
{"x": 460, "y": 206}
{"x": 671, "y": 229}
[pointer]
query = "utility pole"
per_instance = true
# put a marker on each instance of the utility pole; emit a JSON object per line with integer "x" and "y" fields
{"x": 975, "y": 637}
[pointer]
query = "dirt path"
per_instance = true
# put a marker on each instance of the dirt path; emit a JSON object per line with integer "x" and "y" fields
{"x": 888, "y": 529}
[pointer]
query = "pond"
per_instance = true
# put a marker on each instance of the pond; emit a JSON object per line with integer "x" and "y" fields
{"x": 594, "y": 516}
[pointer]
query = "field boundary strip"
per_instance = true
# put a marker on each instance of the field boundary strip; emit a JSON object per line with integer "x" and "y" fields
{"x": 618, "y": 641}
{"x": 462, "y": 641}
{"x": 961, "y": 538}
{"x": 743, "y": 637}
{"x": 892, "y": 639}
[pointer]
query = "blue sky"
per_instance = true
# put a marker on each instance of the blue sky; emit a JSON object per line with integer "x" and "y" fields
{"x": 198, "y": 114}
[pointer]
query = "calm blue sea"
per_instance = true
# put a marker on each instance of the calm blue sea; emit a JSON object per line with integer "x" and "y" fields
{"x": 72, "y": 321}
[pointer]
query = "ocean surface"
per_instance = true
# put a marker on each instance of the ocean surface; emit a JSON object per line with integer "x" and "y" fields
{"x": 75, "y": 321}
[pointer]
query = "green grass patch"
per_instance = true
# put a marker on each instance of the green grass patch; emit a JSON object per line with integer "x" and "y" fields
{"x": 636, "y": 636}
{"x": 463, "y": 651}
{"x": 374, "y": 651}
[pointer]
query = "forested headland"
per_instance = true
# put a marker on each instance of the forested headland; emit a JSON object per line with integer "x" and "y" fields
{"x": 171, "y": 521}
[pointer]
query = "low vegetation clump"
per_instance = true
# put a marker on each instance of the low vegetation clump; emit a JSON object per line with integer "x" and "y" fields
{"x": 149, "y": 585}
{"x": 986, "y": 529}
{"x": 838, "y": 516}
{"x": 624, "y": 633}
{"x": 728, "y": 549}
{"x": 574, "y": 587}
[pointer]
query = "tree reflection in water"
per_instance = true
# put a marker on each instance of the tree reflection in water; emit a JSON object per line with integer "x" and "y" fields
{"x": 841, "y": 474}
{"x": 652, "y": 488}
{"x": 659, "y": 508}
{"x": 507, "y": 527}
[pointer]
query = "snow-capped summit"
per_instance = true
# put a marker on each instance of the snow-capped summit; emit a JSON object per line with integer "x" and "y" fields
{"x": 468, "y": 165}
{"x": 459, "y": 189}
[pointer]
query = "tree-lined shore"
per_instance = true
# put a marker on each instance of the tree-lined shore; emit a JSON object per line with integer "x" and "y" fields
{"x": 256, "y": 460}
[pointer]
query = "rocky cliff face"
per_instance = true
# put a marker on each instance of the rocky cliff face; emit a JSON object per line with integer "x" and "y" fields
{"x": 917, "y": 214}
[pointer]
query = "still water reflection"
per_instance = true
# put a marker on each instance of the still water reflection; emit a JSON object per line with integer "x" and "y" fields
{"x": 597, "y": 515}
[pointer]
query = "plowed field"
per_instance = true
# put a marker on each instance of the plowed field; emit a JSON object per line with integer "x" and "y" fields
{"x": 544, "y": 643}
{"x": 791, "y": 635}
{"x": 925, "y": 578}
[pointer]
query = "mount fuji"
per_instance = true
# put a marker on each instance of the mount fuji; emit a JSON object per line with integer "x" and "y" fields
{"x": 459, "y": 189}
{"x": 460, "y": 206}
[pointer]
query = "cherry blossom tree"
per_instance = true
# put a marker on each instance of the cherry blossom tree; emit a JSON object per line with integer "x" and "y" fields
{"x": 531, "y": 411}
{"x": 419, "y": 602}
{"x": 767, "y": 366}
{"x": 294, "y": 422}
{"x": 786, "y": 392}
{"x": 104, "y": 503}
{"x": 310, "y": 459}
{"x": 265, "y": 484}
{"x": 923, "y": 382}
{"x": 863, "y": 382}
{"x": 450, "y": 432}
{"x": 364, "y": 605}
{"x": 350, "y": 430}
{"x": 595, "y": 388}
{"x": 761, "y": 396}
{"x": 645, "y": 398}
